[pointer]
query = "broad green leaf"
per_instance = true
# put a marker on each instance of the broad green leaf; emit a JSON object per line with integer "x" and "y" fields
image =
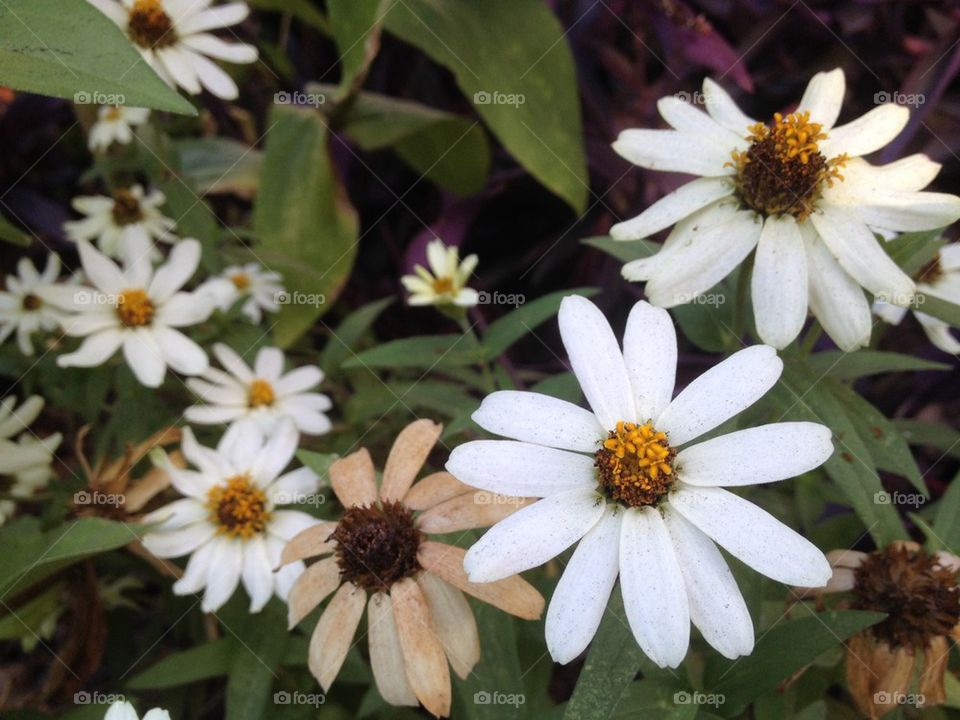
{"x": 854, "y": 365}
{"x": 939, "y": 308}
{"x": 202, "y": 662}
{"x": 303, "y": 10}
{"x": 220, "y": 165}
{"x": 512, "y": 59}
{"x": 71, "y": 50}
{"x": 781, "y": 651}
{"x": 259, "y": 650}
{"x": 498, "y": 672}
{"x": 448, "y": 149}
{"x": 505, "y": 331}
{"x": 661, "y": 699}
{"x": 427, "y": 352}
{"x": 624, "y": 251}
{"x": 341, "y": 343}
{"x": 318, "y": 462}
{"x": 612, "y": 663}
{"x": 356, "y": 26}
{"x": 12, "y": 234}
{"x": 306, "y": 225}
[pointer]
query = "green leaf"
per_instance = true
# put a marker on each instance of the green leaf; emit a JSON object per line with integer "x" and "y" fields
{"x": 260, "y": 649}
{"x": 212, "y": 659}
{"x": 12, "y": 234}
{"x": 624, "y": 251}
{"x": 665, "y": 699}
{"x": 854, "y": 365}
{"x": 499, "y": 671}
{"x": 449, "y": 150}
{"x": 304, "y": 220}
{"x": 911, "y": 251}
{"x": 612, "y": 663}
{"x": 505, "y": 331}
{"x": 220, "y": 165}
{"x": 946, "y": 523}
{"x": 935, "y": 435}
{"x": 708, "y": 322}
{"x": 340, "y": 346}
{"x": 512, "y": 59}
{"x": 939, "y": 308}
{"x": 318, "y": 462}
{"x": 425, "y": 351}
{"x": 71, "y": 50}
{"x": 782, "y": 651}
{"x": 356, "y": 26}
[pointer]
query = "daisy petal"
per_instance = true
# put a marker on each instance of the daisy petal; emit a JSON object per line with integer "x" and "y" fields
{"x": 867, "y": 133}
{"x": 674, "y": 151}
{"x": 224, "y": 574}
{"x": 779, "y": 283}
{"x": 824, "y": 97}
{"x": 650, "y": 354}
{"x": 673, "y": 207}
{"x": 723, "y": 109}
{"x": 453, "y": 622}
{"x": 333, "y": 635}
{"x": 386, "y": 656}
{"x": 354, "y": 479}
{"x": 407, "y": 456}
{"x": 423, "y": 655}
{"x": 836, "y": 299}
{"x": 539, "y": 419}
{"x": 257, "y": 575}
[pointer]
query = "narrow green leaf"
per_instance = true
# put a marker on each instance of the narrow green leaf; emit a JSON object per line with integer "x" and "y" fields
{"x": 306, "y": 225}
{"x": 940, "y": 309}
{"x": 935, "y": 435}
{"x": 260, "y": 649}
{"x": 220, "y": 165}
{"x": 212, "y": 659}
{"x": 71, "y": 50}
{"x": 494, "y": 688}
{"x": 341, "y": 344}
{"x": 658, "y": 699}
{"x": 318, "y": 462}
{"x": 624, "y": 251}
{"x": 427, "y": 352}
{"x": 911, "y": 251}
{"x": 511, "y": 57}
{"x": 855, "y": 365}
{"x": 12, "y": 234}
{"x": 946, "y": 523}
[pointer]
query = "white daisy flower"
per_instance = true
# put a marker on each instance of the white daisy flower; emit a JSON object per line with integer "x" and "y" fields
{"x": 122, "y": 710}
{"x": 136, "y": 308}
{"x": 26, "y": 460}
{"x": 445, "y": 283}
{"x": 124, "y": 226}
{"x": 940, "y": 278}
{"x": 797, "y": 191}
{"x": 21, "y": 307}
{"x": 172, "y": 36}
{"x": 259, "y": 289}
{"x": 115, "y": 124}
{"x": 262, "y": 394}
{"x": 228, "y": 521}
{"x": 644, "y": 501}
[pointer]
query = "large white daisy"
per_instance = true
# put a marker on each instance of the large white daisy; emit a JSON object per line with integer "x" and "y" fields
{"x": 115, "y": 124}
{"x": 644, "y": 501}
{"x": 125, "y": 225}
{"x": 137, "y": 308}
{"x": 796, "y": 190}
{"x": 228, "y": 520}
{"x": 21, "y": 307}
{"x": 263, "y": 394}
{"x": 940, "y": 278}
{"x": 172, "y": 36}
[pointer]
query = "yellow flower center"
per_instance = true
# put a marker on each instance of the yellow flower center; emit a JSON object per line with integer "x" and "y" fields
{"x": 443, "y": 285}
{"x": 783, "y": 171}
{"x": 238, "y": 508}
{"x": 635, "y": 465}
{"x": 134, "y": 308}
{"x": 261, "y": 393}
{"x": 126, "y": 208}
{"x": 149, "y": 26}
{"x": 113, "y": 113}
{"x": 241, "y": 281}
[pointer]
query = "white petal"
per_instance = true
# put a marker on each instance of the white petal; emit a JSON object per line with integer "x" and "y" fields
{"x": 723, "y": 109}
{"x": 753, "y": 535}
{"x": 596, "y": 360}
{"x": 688, "y": 119}
{"x": 294, "y": 486}
{"x": 779, "y": 283}
{"x": 224, "y": 574}
{"x": 180, "y": 352}
{"x": 184, "y": 309}
{"x": 179, "y": 65}
{"x": 268, "y": 364}
{"x": 214, "y": 47}
{"x": 716, "y": 604}
{"x": 581, "y": 595}
{"x": 174, "y": 274}
{"x": 533, "y": 535}
{"x": 835, "y": 298}
{"x": 213, "y": 18}
{"x": 650, "y": 354}
{"x": 823, "y": 97}
{"x": 539, "y": 419}
{"x": 179, "y": 542}
{"x": 386, "y": 656}
{"x": 257, "y": 574}
{"x": 277, "y": 452}
{"x": 94, "y": 350}
{"x": 763, "y": 454}
{"x": 103, "y": 273}
{"x": 939, "y": 334}
{"x": 213, "y": 77}
{"x": 232, "y": 363}
{"x": 194, "y": 577}
{"x": 520, "y": 469}
{"x": 674, "y": 151}
{"x": 720, "y": 393}
{"x": 144, "y": 357}
{"x": 654, "y": 596}
{"x": 299, "y": 380}
{"x": 867, "y": 133}
{"x": 673, "y": 207}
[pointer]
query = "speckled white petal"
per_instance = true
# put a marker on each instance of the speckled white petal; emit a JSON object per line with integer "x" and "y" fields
{"x": 672, "y": 208}
{"x": 779, "y": 282}
{"x": 650, "y": 354}
{"x": 539, "y": 419}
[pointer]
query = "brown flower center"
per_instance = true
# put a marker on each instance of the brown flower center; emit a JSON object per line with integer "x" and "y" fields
{"x": 134, "y": 308}
{"x": 126, "y": 208}
{"x": 241, "y": 281}
{"x": 635, "y": 465}
{"x": 31, "y": 302}
{"x": 377, "y": 545}
{"x": 149, "y": 26}
{"x": 261, "y": 393}
{"x": 919, "y": 596}
{"x": 783, "y": 171}
{"x": 932, "y": 272}
{"x": 238, "y": 508}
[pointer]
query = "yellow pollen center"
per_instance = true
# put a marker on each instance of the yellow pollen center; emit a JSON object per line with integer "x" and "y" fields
{"x": 635, "y": 464}
{"x": 149, "y": 25}
{"x": 241, "y": 281}
{"x": 443, "y": 285}
{"x": 134, "y": 308}
{"x": 261, "y": 393}
{"x": 113, "y": 113}
{"x": 783, "y": 172}
{"x": 238, "y": 508}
